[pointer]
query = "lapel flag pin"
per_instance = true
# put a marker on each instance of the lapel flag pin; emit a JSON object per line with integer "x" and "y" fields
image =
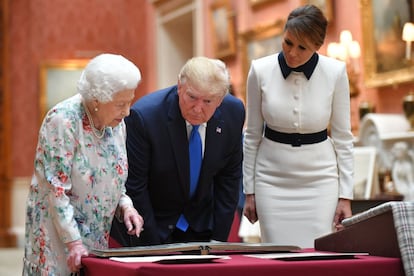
{"x": 218, "y": 129}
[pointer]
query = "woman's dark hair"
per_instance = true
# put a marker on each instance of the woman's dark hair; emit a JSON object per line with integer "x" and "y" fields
{"x": 307, "y": 22}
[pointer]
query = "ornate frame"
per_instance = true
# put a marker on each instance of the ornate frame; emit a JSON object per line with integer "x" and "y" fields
{"x": 222, "y": 28}
{"x": 259, "y": 42}
{"x": 257, "y": 3}
{"x": 58, "y": 80}
{"x": 374, "y": 76}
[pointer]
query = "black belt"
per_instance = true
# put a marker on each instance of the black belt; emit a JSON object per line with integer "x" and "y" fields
{"x": 296, "y": 139}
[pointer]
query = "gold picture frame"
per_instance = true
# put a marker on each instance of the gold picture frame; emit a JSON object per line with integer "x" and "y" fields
{"x": 222, "y": 27}
{"x": 325, "y": 5}
{"x": 261, "y": 41}
{"x": 384, "y": 58}
{"x": 257, "y": 3}
{"x": 58, "y": 81}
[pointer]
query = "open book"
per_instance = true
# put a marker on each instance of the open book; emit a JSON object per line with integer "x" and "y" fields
{"x": 201, "y": 248}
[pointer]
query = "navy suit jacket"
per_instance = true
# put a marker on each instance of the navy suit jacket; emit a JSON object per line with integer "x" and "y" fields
{"x": 158, "y": 176}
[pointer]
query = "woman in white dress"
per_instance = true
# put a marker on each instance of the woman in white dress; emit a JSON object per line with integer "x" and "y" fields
{"x": 297, "y": 179}
{"x": 80, "y": 171}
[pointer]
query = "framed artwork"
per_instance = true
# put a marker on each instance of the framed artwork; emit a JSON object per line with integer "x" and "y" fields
{"x": 222, "y": 27}
{"x": 325, "y": 5}
{"x": 384, "y": 49}
{"x": 259, "y": 42}
{"x": 256, "y": 3}
{"x": 158, "y": 2}
{"x": 58, "y": 80}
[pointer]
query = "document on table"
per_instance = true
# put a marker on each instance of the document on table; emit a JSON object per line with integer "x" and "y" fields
{"x": 170, "y": 259}
{"x": 303, "y": 256}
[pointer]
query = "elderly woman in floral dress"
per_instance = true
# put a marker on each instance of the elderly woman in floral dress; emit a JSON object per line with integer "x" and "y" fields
{"x": 80, "y": 170}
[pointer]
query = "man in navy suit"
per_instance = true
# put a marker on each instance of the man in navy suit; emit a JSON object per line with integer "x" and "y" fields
{"x": 158, "y": 182}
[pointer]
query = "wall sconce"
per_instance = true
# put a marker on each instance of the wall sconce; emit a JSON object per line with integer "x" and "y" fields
{"x": 349, "y": 51}
{"x": 408, "y": 36}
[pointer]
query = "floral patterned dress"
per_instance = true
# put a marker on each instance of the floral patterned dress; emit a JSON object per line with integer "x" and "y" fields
{"x": 77, "y": 185}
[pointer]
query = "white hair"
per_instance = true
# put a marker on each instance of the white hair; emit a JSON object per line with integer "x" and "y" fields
{"x": 107, "y": 74}
{"x": 207, "y": 74}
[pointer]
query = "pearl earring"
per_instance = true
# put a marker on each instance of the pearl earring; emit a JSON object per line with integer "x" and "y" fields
{"x": 96, "y": 109}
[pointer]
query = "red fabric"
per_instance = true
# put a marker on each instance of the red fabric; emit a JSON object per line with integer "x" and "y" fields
{"x": 113, "y": 243}
{"x": 239, "y": 265}
{"x": 234, "y": 231}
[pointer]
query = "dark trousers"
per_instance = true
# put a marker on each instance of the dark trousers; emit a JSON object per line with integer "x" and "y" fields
{"x": 178, "y": 236}
{"x": 118, "y": 233}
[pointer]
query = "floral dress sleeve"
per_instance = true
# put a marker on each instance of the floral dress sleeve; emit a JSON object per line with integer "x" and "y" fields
{"x": 57, "y": 145}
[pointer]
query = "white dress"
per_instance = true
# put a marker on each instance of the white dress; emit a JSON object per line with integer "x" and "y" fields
{"x": 297, "y": 188}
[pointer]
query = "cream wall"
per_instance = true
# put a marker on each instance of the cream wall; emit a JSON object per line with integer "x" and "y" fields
{"x": 19, "y": 196}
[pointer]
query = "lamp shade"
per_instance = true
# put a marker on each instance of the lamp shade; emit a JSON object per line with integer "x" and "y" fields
{"x": 345, "y": 37}
{"x": 354, "y": 49}
{"x": 408, "y": 32}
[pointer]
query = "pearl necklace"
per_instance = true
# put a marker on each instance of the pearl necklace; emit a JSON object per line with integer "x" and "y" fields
{"x": 98, "y": 133}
